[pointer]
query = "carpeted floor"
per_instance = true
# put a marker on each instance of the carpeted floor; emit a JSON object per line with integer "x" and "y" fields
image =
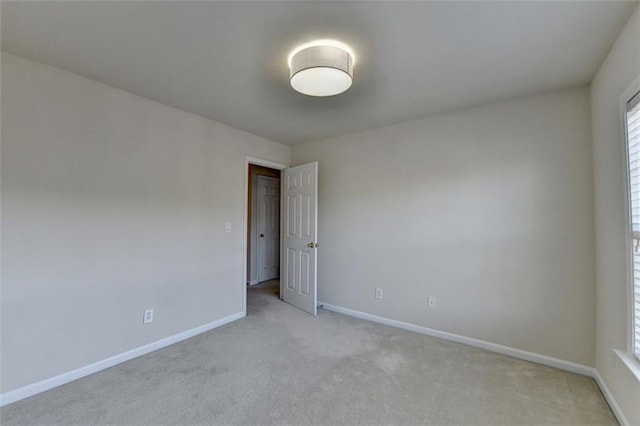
{"x": 282, "y": 366}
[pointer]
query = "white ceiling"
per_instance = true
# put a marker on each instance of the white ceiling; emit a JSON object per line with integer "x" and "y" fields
{"x": 227, "y": 60}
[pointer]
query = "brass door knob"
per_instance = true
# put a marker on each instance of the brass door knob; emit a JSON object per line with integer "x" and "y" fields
{"x": 312, "y": 245}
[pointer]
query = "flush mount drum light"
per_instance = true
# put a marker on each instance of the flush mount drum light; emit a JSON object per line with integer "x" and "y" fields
{"x": 321, "y": 68}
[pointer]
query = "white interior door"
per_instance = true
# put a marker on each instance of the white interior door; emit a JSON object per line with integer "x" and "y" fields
{"x": 268, "y": 228}
{"x": 300, "y": 229}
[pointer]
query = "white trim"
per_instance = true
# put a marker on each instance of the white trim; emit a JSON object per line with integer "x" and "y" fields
{"x": 61, "y": 379}
{"x": 69, "y": 376}
{"x": 493, "y": 347}
{"x": 265, "y": 163}
{"x": 254, "y": 282}
{"x": 630, "y": 361}
{"x": 260, "y": 162}
{"x": 617, "y": 411}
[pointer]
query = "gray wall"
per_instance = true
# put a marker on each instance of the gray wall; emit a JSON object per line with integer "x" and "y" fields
{"x": 488, "y": 209}
{"x": 618, "y": 71}
{"x": 111, "y": 204}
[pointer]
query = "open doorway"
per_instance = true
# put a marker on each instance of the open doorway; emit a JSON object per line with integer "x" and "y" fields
{"x": 294, "y": 254}
{"x": 263, "y": 228}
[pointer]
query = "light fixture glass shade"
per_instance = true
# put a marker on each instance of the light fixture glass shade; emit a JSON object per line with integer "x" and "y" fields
{"x": 321, "y": 70}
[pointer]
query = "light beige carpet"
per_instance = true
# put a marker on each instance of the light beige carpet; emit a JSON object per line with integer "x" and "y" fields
{"x": 282, "y": 366}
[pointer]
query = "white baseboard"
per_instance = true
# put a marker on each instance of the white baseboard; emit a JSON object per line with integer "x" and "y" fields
{"x": 617, "y": 411}
{"x": 493, "y": 347}
{"x": 254, "y": 282}
{"x": 61, "y": 379}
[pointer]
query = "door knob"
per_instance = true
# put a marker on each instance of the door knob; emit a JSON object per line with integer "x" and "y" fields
{"x": 312, "y": 245}
{"x": 261, "y": 235}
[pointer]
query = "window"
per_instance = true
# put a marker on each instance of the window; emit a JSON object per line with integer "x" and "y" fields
{"x": 632, "y": 127}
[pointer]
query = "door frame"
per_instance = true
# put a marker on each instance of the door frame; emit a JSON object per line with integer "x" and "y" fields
{"x": 259, "y": 162}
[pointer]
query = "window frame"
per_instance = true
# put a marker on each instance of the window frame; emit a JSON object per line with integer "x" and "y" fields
{"x": 625, "y": 98}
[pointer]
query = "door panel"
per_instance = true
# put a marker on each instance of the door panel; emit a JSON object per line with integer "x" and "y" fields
{"x": 268, "y": 228}
{"x": 300, "y": 198}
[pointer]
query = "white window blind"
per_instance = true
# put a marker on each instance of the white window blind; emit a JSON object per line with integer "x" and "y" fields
{"x": 633, "y": 153}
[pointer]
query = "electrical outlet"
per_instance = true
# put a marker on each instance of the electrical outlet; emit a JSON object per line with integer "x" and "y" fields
{"x": 431, "y": 302}
{"x": 148, "y": 316}
{"x": 379, "y": 294}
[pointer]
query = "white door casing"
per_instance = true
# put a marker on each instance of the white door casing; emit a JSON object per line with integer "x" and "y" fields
{"x": 299, "y": 236}
{"x": 268, "y": 228}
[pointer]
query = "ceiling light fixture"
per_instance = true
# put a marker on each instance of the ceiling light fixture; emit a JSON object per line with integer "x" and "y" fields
{"x": 321, "y": 68}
